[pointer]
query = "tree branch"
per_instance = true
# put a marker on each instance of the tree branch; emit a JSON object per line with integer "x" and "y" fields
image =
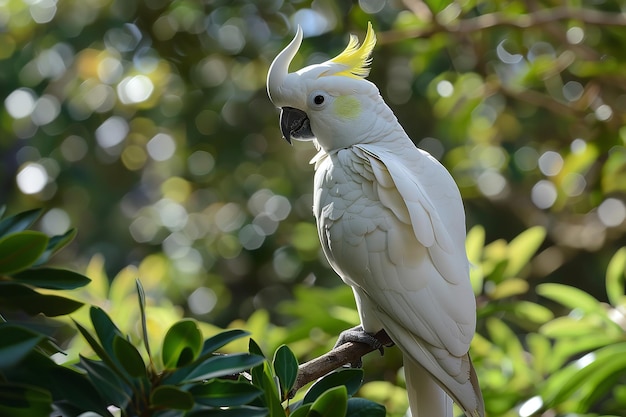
{"x": 490, "y": 20}
{"x": 347, "y": 353}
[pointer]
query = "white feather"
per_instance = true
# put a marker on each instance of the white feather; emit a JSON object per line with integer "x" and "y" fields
{"x": 407, "y": 266}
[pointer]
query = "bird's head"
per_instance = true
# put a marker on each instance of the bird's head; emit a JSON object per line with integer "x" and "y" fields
{"x": 329, "y": 102}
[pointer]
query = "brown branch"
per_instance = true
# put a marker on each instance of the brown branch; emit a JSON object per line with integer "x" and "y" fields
{"x": 350, "y": 352}
{"x": 491, "y": 20}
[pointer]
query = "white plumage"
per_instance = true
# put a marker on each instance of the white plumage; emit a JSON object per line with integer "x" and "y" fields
{"x": 391, "y": 223}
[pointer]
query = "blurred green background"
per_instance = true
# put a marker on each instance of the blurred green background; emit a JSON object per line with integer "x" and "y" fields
{"x": 146, "y": 125}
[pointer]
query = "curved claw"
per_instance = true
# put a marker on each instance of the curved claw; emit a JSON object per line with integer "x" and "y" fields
{"x": 358, "y": 335}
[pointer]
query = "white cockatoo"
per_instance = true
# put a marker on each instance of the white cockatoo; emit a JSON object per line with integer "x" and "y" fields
{"x": 390, "y": 220}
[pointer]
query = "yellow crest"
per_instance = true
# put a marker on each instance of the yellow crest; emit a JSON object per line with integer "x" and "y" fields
{"x": 357, "y": 58}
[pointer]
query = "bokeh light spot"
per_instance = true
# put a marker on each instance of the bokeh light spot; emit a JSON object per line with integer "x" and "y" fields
{"x": 445, "y": 88}
{"x": 46, "y": 109}
{"x": 612, "y": 212}
{"x": 161, "y": 147}
{"x": 55, "y": 222}
{"x": 143, "y": 229}
{"x": 200, "y": 163}
{"x": 20, "y": 103}
{"x": 111, "y": 132}
{"x": 575, "y": 35}
{"x": 491, "y": 183}
{"x": 543, "y": 194}
{"x": 604, "y": 112}
{"x": 32, "y": 178}
{"x": 74, "y": 148}
{"x": 202, "y": 301}
{"x": 43, "y": 11}
{"x": 550, "y": 163}
{"x": 372, "y": 6}
{"x": 136, "y": 89}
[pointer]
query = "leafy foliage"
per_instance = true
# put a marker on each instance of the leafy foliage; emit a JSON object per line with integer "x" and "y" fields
{"x": 147, "y": 125}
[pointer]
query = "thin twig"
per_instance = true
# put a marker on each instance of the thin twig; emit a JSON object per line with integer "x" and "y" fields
{"x": 496, "y": 19}
{"x": 347, "y": 353}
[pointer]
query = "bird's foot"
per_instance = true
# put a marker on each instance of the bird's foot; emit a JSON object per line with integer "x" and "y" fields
{"x": 358, "y": 335}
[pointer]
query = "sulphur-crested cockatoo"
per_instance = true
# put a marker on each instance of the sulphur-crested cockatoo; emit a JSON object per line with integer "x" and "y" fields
{"x": 390, "y": 220}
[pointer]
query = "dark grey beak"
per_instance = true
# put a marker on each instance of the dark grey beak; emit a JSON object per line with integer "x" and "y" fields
{"x": 294, "y": 124}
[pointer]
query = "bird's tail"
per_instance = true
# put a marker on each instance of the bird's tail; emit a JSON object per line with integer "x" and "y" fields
{"x": 426, "y": 398}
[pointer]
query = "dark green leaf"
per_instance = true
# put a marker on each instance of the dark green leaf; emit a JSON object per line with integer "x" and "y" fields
{"x": 128, "y": 356}
{"x": 350, "y": 378}
{"x": 102, "y": 353}
{"x": 15, "y": 343}
{"x": 74, "y": 387}
{"x": 262, "y": 377}
{"x": 20, "y": 400}
{"x": 223, "y": 393}
{"x": 215, "y": 342}
{"x": 19, "y": 297}
{"x": 169, "y": 396}
{"x": 286, "y": 368}
{"x": 55, "y": 244}
{"x": 360, "y": 407}
{"x": 105, "y": 329}
{"x": 182, "y": 344}
{"x": 332, "y": 403}
{"x": 21, "y": 250}
{"x": 19, "y": 221}
{"x": 245, "y": 411}
{"x": 254, "y": 348}
{"x": 214, "y": 367}
{"x": 51, "y": 278}
{"x": 110, "y": 386}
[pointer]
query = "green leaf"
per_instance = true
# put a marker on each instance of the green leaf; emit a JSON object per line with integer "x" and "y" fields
{"x": 224, "y": 393}
{"x": 102, "y": 353}
{"x": 254, "y": 348}
{"x": 570, "y": 297}
{"x": 215, "y": 342}
{"x": 615, "y": 276}
{"x": 349, "y": 377}
{"x": 19, "y": 297}
{"x": 215, "y": 367}
{"x": 245, "y": 411}
{"x": 332, "y": 403}
{"x": 128, "y": 356}
{"x": 171, "y": 397}
{"x": 110, "y": 386}
{"x": 15, "y": 343}
{"x": 19, "y": 251}
{"x": 586, "y": 373}
{"x": 20, "y": 400}
{"x": 301, "y": 411}
{"x": 262, "y": 377}
{"x": 360, "y": 407}
{"x": 182, "y": 344}
{"x": 19, "y": 221}
{"x": 55, "y": 244}
{"x": 522, "y": 248}
{"x": 52, "y": 278}
{"x": 286, "y": 368}
{"x": 105, "y": 329}
{"x": 141, "y": 295}
{"x": 474, "y": 244}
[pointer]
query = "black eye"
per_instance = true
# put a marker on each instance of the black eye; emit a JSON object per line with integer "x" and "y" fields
{"x": 318, "y": 99}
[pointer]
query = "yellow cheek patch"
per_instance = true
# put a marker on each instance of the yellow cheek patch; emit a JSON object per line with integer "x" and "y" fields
{"x": 347, "y": 107}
